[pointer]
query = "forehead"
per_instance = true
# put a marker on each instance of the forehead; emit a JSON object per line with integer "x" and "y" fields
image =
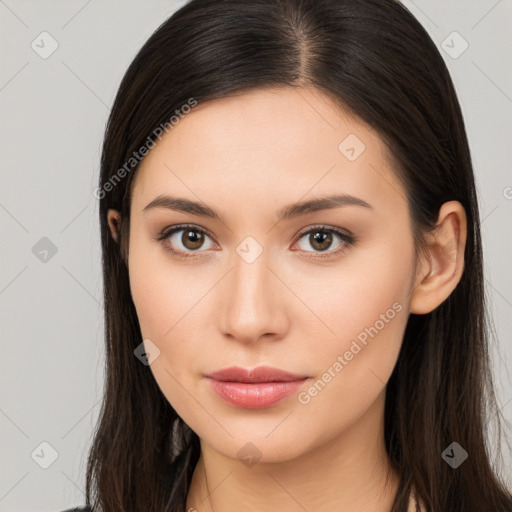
{"x": 271, "y": 144}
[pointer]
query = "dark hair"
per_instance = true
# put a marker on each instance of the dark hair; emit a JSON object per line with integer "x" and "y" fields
{"x": 376, "y": 61}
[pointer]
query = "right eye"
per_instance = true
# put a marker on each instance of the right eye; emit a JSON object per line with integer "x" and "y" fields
{"x": 184, "y": 240}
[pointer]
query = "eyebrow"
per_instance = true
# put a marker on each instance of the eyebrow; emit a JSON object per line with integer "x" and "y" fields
{"x": 182, "y": 204}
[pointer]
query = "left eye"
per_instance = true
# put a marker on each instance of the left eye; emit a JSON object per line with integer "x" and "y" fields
{"x": 321, "y": 239}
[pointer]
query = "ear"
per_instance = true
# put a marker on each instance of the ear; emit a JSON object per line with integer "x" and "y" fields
{"x": 114, "y": 223}
{"x": 442, "y": 263}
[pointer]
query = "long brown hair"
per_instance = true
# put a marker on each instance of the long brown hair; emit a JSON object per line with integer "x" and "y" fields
{"x": 376, "y": 60}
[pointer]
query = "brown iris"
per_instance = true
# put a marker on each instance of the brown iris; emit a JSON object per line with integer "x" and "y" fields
{"x": 192, "y": 239}
{"x": 322, "y": 238}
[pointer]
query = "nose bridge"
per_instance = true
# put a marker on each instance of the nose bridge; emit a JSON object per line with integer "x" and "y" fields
{"x": 251, "y": 304}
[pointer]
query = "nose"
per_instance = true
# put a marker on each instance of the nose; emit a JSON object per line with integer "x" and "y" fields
{"x": 253, "y": 304}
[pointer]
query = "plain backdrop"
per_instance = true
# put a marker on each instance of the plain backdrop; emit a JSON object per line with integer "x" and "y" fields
{"x": 61, "y": 64}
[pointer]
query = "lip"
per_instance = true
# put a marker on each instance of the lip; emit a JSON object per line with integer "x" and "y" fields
{"x": 257, "y": 375}
{"x": 254, "y": 389}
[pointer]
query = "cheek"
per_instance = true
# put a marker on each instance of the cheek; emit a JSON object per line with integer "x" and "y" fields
{"x": 152, "y": 294}
{"x": 159, "y": 289}
{"x": 353, "y": 376}
{"x": 365, "y": 304}
{"x": 167, "y": 299}
{"x": 158, "y": 292}
{"x": 367, "y": 288}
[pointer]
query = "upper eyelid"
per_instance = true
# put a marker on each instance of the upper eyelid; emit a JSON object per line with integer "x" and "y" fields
{"x": 166, "y": 232}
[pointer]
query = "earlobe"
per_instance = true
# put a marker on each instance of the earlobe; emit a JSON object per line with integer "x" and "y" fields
{"x": 114, "y": 223}
{"x": 442, "y": 264}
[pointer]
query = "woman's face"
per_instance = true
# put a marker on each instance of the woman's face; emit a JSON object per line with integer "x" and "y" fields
{"x": 254, "y": 287}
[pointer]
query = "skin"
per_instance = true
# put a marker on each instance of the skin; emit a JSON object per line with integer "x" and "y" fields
{"x": 246, "y": 157}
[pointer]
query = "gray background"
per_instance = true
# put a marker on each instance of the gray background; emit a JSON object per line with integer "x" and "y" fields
{"x": 53, "y": 112}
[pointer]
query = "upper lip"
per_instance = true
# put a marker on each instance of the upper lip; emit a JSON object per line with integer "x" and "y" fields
{"x": 260, "y": 374}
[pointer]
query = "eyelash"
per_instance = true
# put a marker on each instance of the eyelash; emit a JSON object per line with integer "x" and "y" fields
{"x": 348, "y": 240}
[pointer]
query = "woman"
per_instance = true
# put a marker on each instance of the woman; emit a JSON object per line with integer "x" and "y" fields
{"x": 292, "y": 263}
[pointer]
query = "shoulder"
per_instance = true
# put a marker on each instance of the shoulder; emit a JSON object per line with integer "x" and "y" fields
{"x": 78, "y": 509}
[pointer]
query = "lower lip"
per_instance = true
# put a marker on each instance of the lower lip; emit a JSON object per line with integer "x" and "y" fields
{"x": 256, "y": 395}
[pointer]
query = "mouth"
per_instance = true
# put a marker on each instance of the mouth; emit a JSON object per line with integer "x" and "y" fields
{"x": 254, "y": 389}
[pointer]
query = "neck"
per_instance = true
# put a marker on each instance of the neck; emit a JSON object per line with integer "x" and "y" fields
{"x": 350, "y": 472}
